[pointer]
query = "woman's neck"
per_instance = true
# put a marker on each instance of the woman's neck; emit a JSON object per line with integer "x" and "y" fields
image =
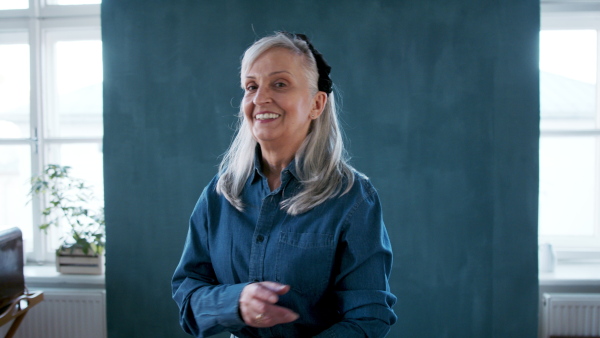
{"x": 273, "y": 162}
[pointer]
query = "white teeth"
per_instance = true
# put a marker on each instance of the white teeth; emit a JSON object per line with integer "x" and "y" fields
{"x": 266, "y": 116}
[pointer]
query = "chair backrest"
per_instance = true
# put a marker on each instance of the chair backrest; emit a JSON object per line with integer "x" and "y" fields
{"x": 12, "y": 280}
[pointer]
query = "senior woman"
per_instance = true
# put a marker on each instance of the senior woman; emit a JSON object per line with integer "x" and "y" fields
{"x": 288, "y": 239}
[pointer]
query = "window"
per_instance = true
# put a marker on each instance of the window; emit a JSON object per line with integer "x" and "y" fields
{"x": 50, "y": 105}
{"x": 569, "y": 204}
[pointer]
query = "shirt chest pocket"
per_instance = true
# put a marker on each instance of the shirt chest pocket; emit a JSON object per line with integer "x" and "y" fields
{"x": 305, "y": 261}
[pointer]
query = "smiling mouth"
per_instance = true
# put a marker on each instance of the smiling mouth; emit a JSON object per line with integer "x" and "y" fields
{"x": 266, "y": 116}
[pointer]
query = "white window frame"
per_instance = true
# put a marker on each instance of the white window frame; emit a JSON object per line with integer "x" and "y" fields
{"x": 39, "y": 21}
{"x": 565, "y": 15}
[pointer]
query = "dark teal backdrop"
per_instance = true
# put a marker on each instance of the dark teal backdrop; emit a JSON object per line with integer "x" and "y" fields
{"x": 440, "y": 109}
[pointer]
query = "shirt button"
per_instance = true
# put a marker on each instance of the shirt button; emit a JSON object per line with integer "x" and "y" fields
{"x": 260, "y": 238}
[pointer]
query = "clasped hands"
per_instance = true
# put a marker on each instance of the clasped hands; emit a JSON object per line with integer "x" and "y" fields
{"x": 257, "y": 305}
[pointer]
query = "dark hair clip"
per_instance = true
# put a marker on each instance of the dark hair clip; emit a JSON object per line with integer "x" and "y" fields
{"x": 325, "y": 84}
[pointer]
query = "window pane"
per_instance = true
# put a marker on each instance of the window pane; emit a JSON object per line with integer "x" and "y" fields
{"x": 14, "y": 4}
{"x": 73, "y": 2}
{"x": 15, "y": 171}
{"x": 14, "y": 90}
{"x": 568, "y": 61}
{"x": 568, "y": 181}
{"x": 76, "y": 108}
{"x": 85, "y": 159}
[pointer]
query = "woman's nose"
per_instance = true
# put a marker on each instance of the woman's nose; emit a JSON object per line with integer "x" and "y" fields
{"x": 263, "y": 95}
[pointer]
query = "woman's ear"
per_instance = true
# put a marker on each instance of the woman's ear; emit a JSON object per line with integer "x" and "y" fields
{"x": 318, "y": 106}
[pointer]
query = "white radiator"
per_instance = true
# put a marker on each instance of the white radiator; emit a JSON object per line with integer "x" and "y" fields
{"x": 571, "y": 314}
{"x": 66, "y": 313}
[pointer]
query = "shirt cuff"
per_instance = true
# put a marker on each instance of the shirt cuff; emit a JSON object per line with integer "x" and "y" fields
{"x": 229, "y": 306}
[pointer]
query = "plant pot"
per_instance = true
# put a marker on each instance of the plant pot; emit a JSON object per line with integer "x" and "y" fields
{"x": 76, "y": 262}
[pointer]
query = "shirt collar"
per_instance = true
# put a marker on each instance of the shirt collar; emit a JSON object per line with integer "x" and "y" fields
{"x": 258, "y": 174}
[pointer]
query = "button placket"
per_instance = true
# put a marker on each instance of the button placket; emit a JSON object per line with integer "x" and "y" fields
{"x": 260, "y": 238}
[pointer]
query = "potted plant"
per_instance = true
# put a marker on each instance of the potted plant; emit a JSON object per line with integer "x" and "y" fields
{"x": 70, "y": 207}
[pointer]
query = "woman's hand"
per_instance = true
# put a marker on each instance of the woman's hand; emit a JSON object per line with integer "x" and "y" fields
{"x": 257, "y": 305}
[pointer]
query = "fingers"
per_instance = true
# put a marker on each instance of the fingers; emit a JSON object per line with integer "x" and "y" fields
{"x": 271, "y": 316}
{"x": 269, "y": 291}
{"x": 257, "y": 305}
{"x": 279, "y": 289}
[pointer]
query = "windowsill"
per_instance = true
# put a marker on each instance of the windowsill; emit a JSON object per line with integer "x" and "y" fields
{"x": 46, "y": 276}
{"x": 572, "y": 274}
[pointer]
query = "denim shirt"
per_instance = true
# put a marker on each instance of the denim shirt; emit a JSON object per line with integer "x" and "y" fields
{"x": 336, "y": 257}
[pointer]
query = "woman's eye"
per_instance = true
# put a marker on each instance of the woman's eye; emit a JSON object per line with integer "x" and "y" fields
{"x": 280, "y": 84}
{"x": 250, "y": 88}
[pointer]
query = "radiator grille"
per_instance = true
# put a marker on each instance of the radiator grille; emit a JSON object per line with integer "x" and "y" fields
{"x": 571, "y": 315}
{"x": 66, "y": 313}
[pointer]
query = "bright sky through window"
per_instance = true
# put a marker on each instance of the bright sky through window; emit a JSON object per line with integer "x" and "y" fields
{"x": 14, "y": 4}
{"x": 14, "y": 77}
{"x": 24, "y": 4}
{"x": 73, "y": 64}
{"x": 569, "y": 53}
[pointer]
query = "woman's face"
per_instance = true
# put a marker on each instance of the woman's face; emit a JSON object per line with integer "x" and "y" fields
{"x": 278, "y": 103}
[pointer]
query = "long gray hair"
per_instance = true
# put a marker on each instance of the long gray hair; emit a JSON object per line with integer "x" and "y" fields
{"x": 321, "y": 161}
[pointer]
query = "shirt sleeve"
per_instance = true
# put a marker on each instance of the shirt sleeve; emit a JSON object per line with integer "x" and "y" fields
{"x": 362, "y": 284}
{"x": 206, "y": 307}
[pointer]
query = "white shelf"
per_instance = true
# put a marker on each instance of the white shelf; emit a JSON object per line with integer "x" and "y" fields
{"x": 37, "y": 276}
{"x": 572, "y": 274}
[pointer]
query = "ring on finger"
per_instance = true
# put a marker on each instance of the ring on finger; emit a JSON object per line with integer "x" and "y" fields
{"x": 259, "y": 317}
